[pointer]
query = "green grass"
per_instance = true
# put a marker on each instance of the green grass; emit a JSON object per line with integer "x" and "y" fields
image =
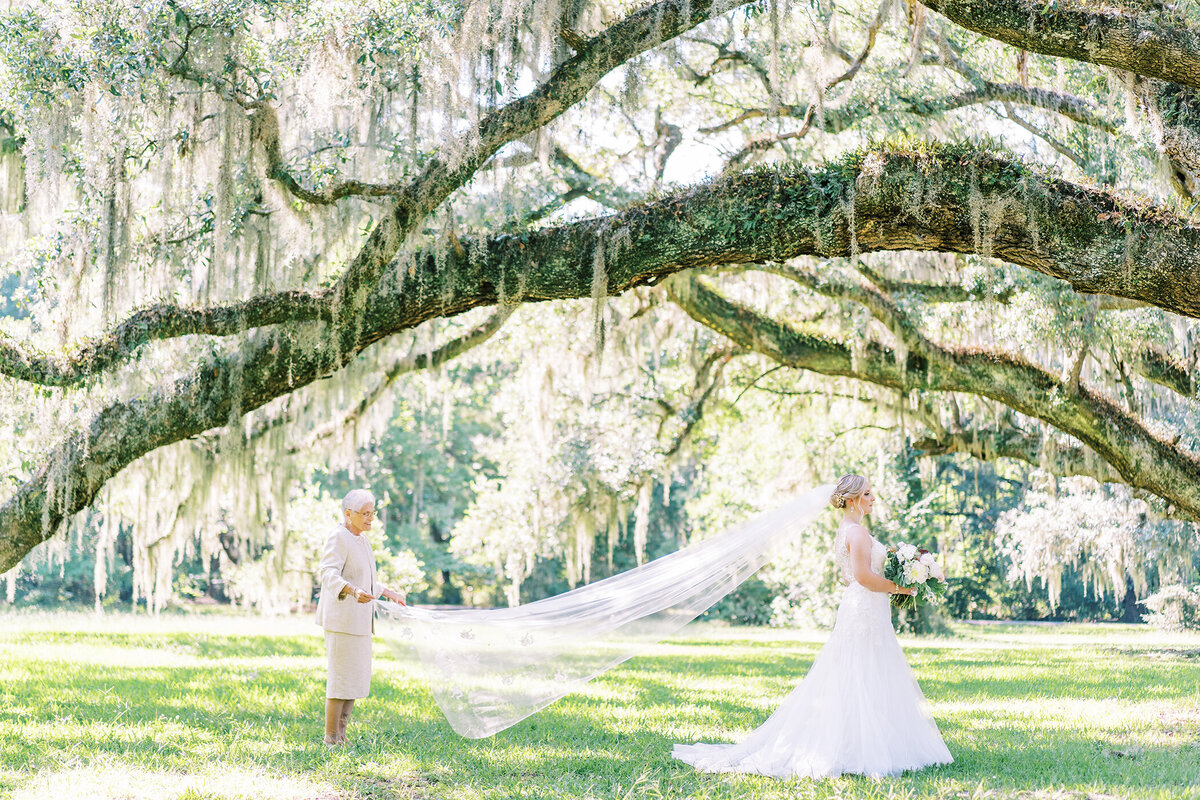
{"x": 208, "y": 707}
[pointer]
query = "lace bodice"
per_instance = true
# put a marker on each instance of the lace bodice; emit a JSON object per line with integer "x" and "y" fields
{"x": 841, "y": 554}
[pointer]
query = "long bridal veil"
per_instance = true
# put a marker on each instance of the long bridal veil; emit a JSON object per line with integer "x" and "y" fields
{"x": 490, "y": 669}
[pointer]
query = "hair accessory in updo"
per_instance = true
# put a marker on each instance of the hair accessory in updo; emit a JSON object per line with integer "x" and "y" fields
{"x": 849, "y": 487}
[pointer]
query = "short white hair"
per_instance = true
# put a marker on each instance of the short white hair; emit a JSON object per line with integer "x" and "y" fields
{"x": 355, "y": 499}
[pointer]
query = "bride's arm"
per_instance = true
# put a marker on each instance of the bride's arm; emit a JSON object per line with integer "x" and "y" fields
{"x": 860, "y": 563}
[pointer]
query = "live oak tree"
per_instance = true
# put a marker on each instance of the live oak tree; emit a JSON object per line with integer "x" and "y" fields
{"x": 232, "y": 228}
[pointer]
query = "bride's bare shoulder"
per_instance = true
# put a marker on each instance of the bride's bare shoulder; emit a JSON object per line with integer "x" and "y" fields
{"x": 856, "y": 532}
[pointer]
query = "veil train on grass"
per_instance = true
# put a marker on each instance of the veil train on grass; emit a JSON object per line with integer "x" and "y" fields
{"x": 492, "y": 668}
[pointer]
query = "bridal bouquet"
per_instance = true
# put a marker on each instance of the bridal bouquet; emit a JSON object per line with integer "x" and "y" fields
{"x": 914, "y": 568}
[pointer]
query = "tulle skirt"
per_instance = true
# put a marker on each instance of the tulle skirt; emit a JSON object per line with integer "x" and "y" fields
{"x": 859, "y": 710}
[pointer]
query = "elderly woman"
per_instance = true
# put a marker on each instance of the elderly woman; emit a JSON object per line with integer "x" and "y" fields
{"x": 346, "y": 612}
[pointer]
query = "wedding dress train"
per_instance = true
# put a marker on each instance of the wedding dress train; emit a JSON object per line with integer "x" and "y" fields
{"x": 859, "y": 709}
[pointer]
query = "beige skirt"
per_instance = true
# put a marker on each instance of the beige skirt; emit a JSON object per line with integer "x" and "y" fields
{"x": 349, "y": 666}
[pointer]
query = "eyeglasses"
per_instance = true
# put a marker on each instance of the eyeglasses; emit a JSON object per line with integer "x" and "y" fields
{"x": 367, "y": 514}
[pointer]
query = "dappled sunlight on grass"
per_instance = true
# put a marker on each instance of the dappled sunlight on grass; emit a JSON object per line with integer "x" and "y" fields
{"x": 122, "y": 710}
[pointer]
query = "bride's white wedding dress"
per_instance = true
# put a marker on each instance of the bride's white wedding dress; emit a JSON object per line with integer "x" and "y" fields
{"x": 859, "y": 709}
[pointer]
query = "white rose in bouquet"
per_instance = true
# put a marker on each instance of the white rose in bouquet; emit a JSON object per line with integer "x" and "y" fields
{"x": 936, "y": 571}
{"x": 907, "y": 552}
{"x": 927, "y": 559}
{"x": 920, "y": 571}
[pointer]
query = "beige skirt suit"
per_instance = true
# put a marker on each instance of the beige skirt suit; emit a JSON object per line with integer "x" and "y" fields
{"x": 347, "y": 561}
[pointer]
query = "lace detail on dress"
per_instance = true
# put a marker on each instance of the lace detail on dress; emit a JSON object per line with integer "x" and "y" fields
{"x": 841, "y": 555}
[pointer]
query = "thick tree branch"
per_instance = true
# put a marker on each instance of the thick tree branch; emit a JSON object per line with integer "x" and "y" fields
{"x": 1058, "y": 458}
{"x": 988, "y": 444}
{"x": 1142, "y": 459}
{"x": 442, "y": 175}
{"x": 157, "y": 322}
{"x": 1162, "y": 368}
{"x": 217, "y": 393}
{"x": 1104, "y": 34}
{"x": 949, "y": 199}
{"x": 946, "y": 199}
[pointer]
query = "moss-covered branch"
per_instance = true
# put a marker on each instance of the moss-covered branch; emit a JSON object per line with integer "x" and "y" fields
{"x": 1141, "y": 458}
{"x": 255, "y": 100}
{"x": 1058, "y": 458}
{"x": 411, "y": 202}
{"x": 988, "y": 444}
{"x": 163, "y": 321}
{"x": 1162, "y": 368}
{"x": 949, "y": 199}
{"x": 836, "y": 120}
{"x": 1128, "y": 38}
{"x": 952, "y": 199}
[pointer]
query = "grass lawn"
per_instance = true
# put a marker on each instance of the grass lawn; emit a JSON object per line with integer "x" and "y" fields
{"x": 201, "y": 707}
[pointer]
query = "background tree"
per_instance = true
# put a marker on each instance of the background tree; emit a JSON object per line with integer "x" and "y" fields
{"x": 234, "y": 231}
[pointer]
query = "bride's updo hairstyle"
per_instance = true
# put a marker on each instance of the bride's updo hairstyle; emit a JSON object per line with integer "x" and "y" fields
{"x": 848, "y": 489}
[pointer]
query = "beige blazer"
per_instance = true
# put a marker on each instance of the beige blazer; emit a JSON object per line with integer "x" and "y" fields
{"x": 347, "y": 559}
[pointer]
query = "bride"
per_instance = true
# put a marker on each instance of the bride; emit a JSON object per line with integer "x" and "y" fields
{"x": 858, "y": 710}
